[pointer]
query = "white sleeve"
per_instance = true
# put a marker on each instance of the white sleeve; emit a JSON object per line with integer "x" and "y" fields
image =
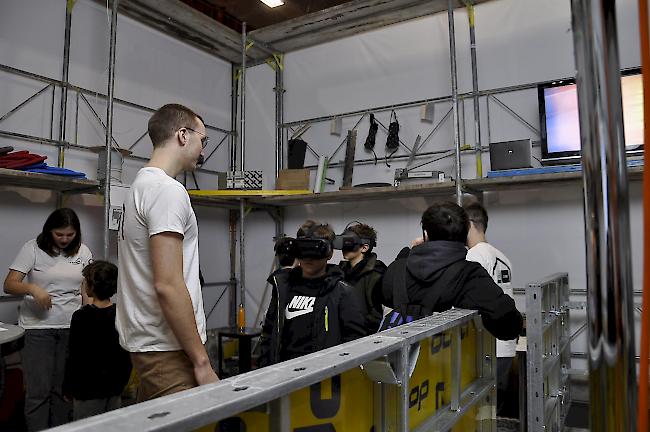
{"x": 169, "y": 210}
{"x": 86, "y": 255}
{"x": 26, "y": 258}
{"x": 475, "y": 256}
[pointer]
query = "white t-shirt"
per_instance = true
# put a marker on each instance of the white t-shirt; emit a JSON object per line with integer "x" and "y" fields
{"x": 499, "y": 267}
{"x": 156, "y": 203}
{"x": 60, "y": 276}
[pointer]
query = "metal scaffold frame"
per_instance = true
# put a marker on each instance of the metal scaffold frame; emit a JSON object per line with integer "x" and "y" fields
{"x": 387, "y": 359}
{"x": 548, "y": 355}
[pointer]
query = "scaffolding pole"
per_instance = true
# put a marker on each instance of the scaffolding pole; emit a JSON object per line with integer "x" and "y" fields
{"x": 232, "y": 166}
{"x": 477, "y": 111}
{"x": 64, "y": 87}
{"x": 242, "y": 129}
{"x": 454, "y": 97}
{"x": 109, "y": 127}
{"x": 610, "y": 316}
{"x": 279, "y": 117}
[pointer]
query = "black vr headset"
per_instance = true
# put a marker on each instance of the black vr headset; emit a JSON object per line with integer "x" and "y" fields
{"x": 350, "y": 241}
{"x": 306, "y": 246}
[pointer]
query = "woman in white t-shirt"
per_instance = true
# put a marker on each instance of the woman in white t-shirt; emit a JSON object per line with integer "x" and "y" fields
{"x": 52, "y": 265}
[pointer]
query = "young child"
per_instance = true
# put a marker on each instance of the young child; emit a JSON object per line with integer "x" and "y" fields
{"x": 311, "y": 307}
{"x": 97, "y": 368}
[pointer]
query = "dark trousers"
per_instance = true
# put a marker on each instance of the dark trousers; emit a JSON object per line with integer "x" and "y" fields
{"x": 91, "y": 407}
{"x": 43, "y": 358}
{"x": 504, "y": 364}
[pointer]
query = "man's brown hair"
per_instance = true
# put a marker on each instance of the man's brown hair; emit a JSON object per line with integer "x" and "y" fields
{"x": 169, "y": 118}
{"x": 364, "y": 232}
{"x": 314, "y": 229}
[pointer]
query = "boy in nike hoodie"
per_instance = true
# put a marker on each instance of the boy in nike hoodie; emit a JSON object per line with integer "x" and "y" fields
{"x": 311, "y": 307}
{"x": 437, "y": 277}
{"x": 364, "y": 271}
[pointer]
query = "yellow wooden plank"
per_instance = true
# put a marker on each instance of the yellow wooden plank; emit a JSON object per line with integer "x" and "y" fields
{"x": 246, "y": 193}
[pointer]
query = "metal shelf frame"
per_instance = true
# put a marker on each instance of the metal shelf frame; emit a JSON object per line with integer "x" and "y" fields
{"x": 548, "y": 353}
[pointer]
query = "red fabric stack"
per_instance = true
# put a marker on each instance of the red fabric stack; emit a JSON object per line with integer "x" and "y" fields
{"x": 20, "y": 159}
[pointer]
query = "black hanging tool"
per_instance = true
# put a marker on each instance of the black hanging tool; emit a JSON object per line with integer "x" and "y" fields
{"x": 372, "y": 135}
{"x": 392, "y": 142}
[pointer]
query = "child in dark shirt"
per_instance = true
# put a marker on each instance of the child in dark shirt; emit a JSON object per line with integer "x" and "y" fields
{"x": 312, "y": 308}
{"x": 364, "y": 271}
{"x": 97, "y": 368}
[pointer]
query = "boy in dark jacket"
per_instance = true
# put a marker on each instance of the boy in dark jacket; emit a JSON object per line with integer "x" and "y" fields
{"x": 311, "y": 307}
{"x": 97, "y": 368}
{"x": 437, "y": 277}
{"x": 364, "y": 271}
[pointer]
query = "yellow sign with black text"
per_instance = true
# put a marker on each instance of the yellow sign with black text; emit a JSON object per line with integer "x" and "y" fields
{"x": 345, "y": 402}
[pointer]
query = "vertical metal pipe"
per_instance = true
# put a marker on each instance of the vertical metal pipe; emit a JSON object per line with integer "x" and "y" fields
{"x": 242, "y": 255}
{"x": 63, "y": 114}
{"x": 52, "y": 112}
{"x": 232, "y": 301}
{"x": 454, "y": 96}
{"x": 234, "y": 95}
{"x": 612, "y": 372}
{"x": 477, "y": 111}
{"x": 76, "y": 119}
{"x": 242, "y": 129}
{"x": 279, "y": 117}
{"x": 487, "y": 112}
{"x": 109, "y": 126}
{"x": 402, "y": 373}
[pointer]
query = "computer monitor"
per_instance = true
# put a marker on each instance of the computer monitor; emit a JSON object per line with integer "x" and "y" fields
{"x": 560, "y": 125}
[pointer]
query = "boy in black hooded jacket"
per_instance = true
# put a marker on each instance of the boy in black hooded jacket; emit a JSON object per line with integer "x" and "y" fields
{"x": 311, "y": 307}
{"x": 437, "y": 277}
{"x": 364, "y": 271}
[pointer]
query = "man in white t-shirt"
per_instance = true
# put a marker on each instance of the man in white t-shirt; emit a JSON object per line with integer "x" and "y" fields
{"x": 499, "y": 267}
{"x": 160, "y": 316}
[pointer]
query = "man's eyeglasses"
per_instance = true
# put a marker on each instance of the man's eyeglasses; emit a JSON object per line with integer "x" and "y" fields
{"x": 204, "y": 140}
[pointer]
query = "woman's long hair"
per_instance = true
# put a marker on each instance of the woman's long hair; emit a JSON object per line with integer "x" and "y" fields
{"x": 61, "y": 218}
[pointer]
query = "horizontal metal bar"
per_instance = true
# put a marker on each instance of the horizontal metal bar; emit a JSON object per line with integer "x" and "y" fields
{"x": 583, "y": 356}
{"x": 206, "y": 404}
{"x": 572, "y": 291}
{"x": 72, "y": 87}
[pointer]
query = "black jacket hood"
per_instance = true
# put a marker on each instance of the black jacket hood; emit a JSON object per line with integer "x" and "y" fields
{"x": 425, "y": 260}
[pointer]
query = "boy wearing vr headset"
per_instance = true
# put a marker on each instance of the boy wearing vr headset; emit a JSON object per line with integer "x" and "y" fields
{"x": 434, "y": 276}
{"x": 363, "y": 270}
{"x": 311, "y": 308}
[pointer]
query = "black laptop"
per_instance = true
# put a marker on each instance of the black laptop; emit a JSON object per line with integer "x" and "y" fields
{"x": 508, "y": 155}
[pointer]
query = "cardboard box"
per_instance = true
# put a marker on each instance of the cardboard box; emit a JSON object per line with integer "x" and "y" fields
{"x": 292, "y": 179}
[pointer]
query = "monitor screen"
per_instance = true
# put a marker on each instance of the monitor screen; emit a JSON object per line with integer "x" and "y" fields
{"x": 560, "y": 126}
